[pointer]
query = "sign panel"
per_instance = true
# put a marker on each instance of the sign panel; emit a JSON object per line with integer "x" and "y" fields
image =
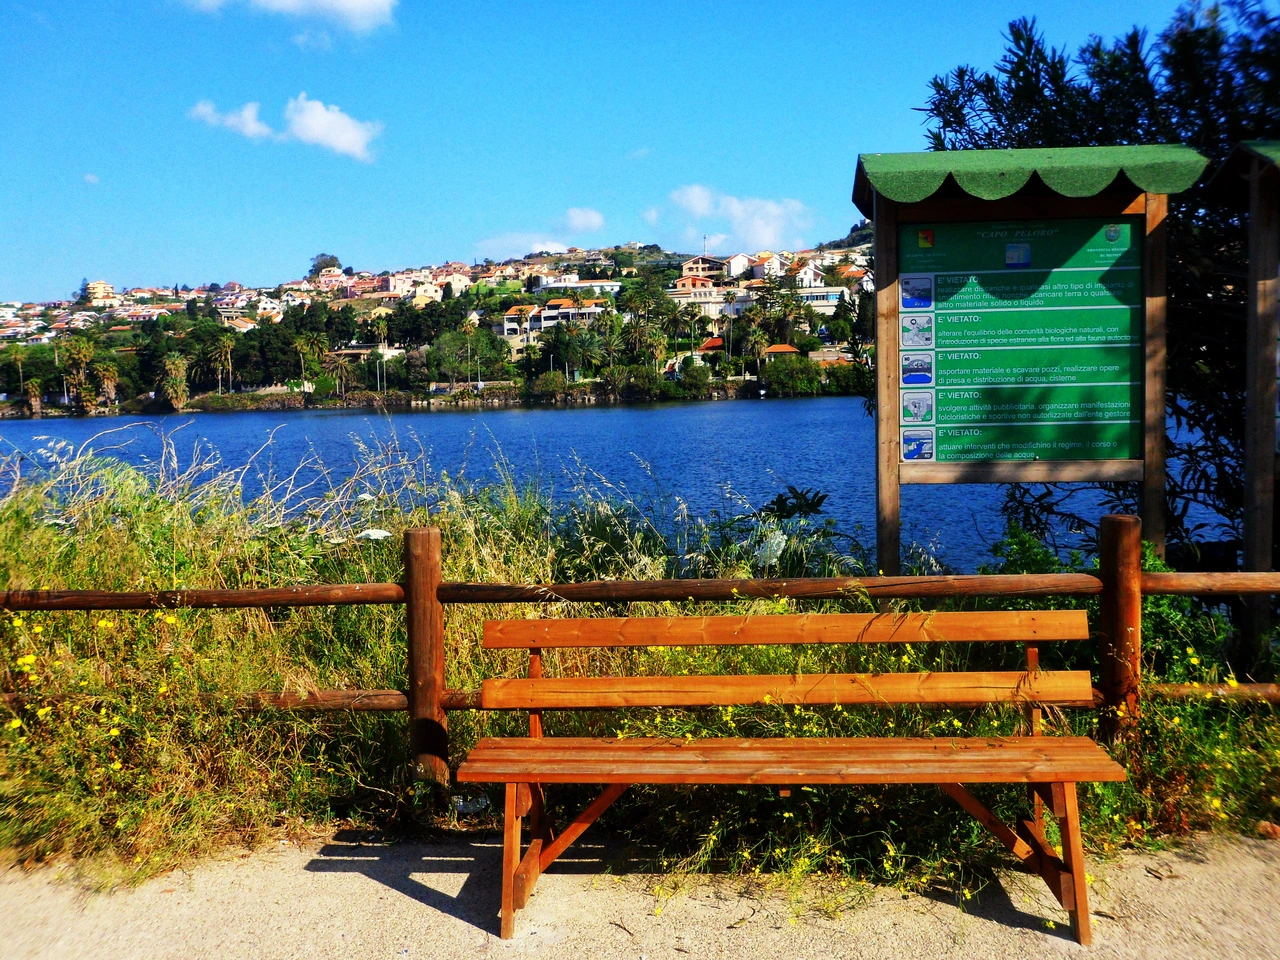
{"x": 1021, "y": 340}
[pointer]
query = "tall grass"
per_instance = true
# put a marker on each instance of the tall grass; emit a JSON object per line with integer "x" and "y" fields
{"x": 117, "y": 755}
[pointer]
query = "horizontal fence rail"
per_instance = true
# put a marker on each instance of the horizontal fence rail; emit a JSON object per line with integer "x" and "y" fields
{"x": 813, "y": 588}
{"x": 322, "y": 595}
{"x": 1120, "y": 584}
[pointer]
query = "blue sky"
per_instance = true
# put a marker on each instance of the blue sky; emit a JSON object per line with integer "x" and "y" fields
{"x": 186, "y": 141}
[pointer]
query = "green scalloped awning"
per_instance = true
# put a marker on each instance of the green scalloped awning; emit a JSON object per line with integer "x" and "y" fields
{"x": 1231, "y": 181}
{"x": 995, "y": 174}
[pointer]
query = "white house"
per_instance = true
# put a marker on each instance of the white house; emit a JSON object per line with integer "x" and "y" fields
{"x": 737, "y": 265}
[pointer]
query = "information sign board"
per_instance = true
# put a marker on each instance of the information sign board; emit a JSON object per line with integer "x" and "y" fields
{"x": 1021, "y": 340}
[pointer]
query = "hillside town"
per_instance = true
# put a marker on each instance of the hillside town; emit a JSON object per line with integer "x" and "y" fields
{"x": 536, "y": 325}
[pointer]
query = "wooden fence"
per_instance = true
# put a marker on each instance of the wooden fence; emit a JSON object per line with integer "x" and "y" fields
{"x": 1120, "y": 585}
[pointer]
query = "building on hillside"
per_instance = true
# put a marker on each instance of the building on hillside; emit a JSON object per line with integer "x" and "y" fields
{"x": 736, "y": 265}
{"x": 780, "y": 350}
{"x": 99, "y": 290}
{"x": 766, "y": 264}
{"x": 703, "y": 266}
{"x": 610, "y": 287}
{"x": 559, "y": 311}
{"x": 806, "y": 273}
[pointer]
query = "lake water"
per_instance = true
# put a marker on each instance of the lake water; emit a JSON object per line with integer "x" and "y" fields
{"x": 714, "y": 456}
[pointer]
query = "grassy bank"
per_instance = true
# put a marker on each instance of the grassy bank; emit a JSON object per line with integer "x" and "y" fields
{"x": 117, "y": 756}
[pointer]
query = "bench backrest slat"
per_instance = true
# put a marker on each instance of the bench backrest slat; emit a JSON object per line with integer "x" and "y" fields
{"x": 1032, "y": 626}
{"x": 1065, "y": 687}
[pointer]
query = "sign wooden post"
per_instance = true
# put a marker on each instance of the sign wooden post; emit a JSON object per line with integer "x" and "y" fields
{"x": 1020, "y": 332}
{"x": 1250, "y": 181}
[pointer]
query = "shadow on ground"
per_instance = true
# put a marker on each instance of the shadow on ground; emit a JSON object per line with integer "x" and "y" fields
{"x": 406, "y": 868}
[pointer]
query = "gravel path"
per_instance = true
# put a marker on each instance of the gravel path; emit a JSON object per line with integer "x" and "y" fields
{"x": 1215, "y": 897}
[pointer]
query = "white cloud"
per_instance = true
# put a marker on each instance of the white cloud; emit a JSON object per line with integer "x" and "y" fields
{"x": 90, "y": 178}
{"x": 327, "y": 126}
{"x": 755, "y": 223}
{"x": 358, "y": 15}
{"x": 651, "y": 216}
{"x": 313, "y": 40}
{"x": 696, "y": 199}
{"x": 716, "y": 241}
{"x": 308, "y": 121}
{"x": 243, "y": 121}
{"x": 510, "y": 245}
{"x": 584, "y": 219}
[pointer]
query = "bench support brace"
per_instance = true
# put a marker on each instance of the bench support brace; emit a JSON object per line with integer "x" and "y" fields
{"x": 520, "y": 874}
{"x": 1065, "y": 875}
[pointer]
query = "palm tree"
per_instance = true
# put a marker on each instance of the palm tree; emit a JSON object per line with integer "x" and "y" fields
{"x": 636, "y": 335}
{"x": 32, "y": 390}
{"x": 18, "y": 355}
{"x": 691, "y": 314}
{"x": 224, "y": 347}
{"x": 312, "y": 344}
{"x": 757, "y": 344}
{"x": 174, "y": 384}
{"x": 729, "y": 297}
{"x": 108, "y": 376}
{"x": 380, "y": 331}
{"x": 79, "y": 353}
{"x": 655, "y": 345}
{"x": 339, "y": 367}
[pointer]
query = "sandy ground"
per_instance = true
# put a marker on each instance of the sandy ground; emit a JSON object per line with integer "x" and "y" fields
{"x": 1214, "y": 897}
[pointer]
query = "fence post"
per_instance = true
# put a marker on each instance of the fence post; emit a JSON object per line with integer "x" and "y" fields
{"x": 424, "y": 615}
{"x": 1120, "y": 634}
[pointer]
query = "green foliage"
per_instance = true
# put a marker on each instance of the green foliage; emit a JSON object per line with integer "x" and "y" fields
{"x": 792, "y": 376}
{"x": 125, "y": 746}
{"x": 550, "y": 386}
{"x": 1211, "y": 79}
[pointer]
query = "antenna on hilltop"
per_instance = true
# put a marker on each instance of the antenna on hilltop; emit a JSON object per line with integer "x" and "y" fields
{"x": 704, "y": 244}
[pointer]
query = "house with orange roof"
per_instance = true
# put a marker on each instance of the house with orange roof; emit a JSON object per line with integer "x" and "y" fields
{"x": 780, "y": 350}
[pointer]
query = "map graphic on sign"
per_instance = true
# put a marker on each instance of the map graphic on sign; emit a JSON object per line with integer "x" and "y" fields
{"x": 1032, "y": 340}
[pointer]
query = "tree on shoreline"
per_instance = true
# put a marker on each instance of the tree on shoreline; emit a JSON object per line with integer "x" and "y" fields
{"x": 1211, "y": 79}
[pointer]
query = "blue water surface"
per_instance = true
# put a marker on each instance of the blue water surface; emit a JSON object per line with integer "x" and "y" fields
{"x": 715, "y": 456}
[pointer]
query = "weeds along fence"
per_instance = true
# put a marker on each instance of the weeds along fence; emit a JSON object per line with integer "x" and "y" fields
{"x": 1119, "y": 585}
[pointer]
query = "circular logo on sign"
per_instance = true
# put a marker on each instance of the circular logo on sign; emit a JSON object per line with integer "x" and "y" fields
{"x": 1112, "y": 233}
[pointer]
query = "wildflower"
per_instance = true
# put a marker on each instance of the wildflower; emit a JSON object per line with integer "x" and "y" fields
{"x": 1232, "y": 682}
{"x": 116, "y": 765}
{"x": 26, "y": 661}
{"x": 162, "y": 689}
{"x": 1195, "y": 661}
{"x": 43, "y": 712}
{"x": 114, "y": 731}
{"x": 17, "y": 621}
{"x": 37, "y": 629}
{"x": 171, "y": 620}
{"x": 1216, "y": 803}
{"x": 956, "y": 723}
{"x": 1177, "y": 721}
{"x": 373, "y": 533}
{"x": 1190, "y": 650}
{"x": 106, "y": 624}
{"x": 1222, "y": 735}
{"x": 15, "y": 723}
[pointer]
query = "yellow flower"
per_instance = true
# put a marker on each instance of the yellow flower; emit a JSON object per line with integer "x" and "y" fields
{"x": 171, "y": 620}
{"x": 104, "y": 624}
{"x": 1195, "y": 661}
{"x": 43, "y": 712}
{"x": 17, "y": 621}
{"x": 162, "y": 689}
{"x": 1177, "y": 721}
{"x": 15, "y": 723}
{"x": 114, "y": 731}
{"x": 37, "y": 629}
{"x": 116, "y": 765}
{"x": 1191, "y": 650}
{"x": 1216, "y": 803}
{"x": 1232, "y": 682}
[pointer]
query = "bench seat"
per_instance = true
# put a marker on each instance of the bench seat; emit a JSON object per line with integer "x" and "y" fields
{"x": 789, "y": 761}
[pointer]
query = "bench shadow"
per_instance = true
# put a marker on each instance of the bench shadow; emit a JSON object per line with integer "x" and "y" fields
{"x": 415, "y": 870}
{"x": 993, "y": 903}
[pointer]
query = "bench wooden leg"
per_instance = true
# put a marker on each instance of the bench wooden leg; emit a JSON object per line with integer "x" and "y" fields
{"x": 1073, "y": 860}
{"x": 510, "y": 860}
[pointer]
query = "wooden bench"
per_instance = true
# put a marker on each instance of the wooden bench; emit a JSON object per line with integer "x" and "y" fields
{"x": 1050, "y": 766}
